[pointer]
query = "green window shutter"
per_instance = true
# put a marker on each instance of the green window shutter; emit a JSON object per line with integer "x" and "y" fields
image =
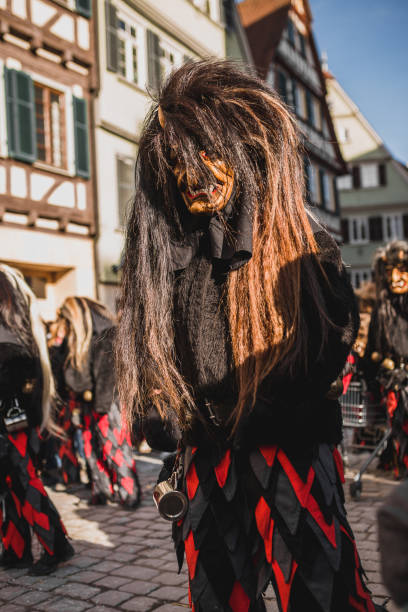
{"x": 153, "y": 60}
{"x": 294, "y": 95}
{"x": 382, "y": 174}
{"x": 375, "y": 229}
{"x": 20, "y": 116}
{"x": 84, "y": 7}
{"x": 81, "y": 137}
{"x": 111, "y": 23}
{"x": 345, "y": 231}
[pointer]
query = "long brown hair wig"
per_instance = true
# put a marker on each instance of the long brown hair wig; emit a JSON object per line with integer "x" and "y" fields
{"x": 75, "y": 315}
{"x": 214, "y": 106}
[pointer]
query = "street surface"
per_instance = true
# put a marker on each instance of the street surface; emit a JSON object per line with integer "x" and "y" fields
{"x": 125, "y": 559}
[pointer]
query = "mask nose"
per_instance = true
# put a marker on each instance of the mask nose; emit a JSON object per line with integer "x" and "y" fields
{"x": 395, "y": 275}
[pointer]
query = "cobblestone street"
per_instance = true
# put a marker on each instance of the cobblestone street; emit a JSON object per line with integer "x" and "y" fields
{"x": 125, "y": 559}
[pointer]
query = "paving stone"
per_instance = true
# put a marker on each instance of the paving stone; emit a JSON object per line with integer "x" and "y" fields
{"x": 88, "y": 576}
{"x": 50, "y": 582}
{"x": 8, "y": 593}
{"x": 111, "y": 598}
{"x": 171, "y": 578}
{"x": 168, "y": 608}
{"x": 64, "y": 604}
{"x": 136, "y": 571}
{"x": 12, "y": 608}
{"x": 77, "y": 590}
{"x": 82, "y": 561}
{"x": 111, "y": 582}
{"x": 31, "y": 598}
{"x": 140, "y": 604}
{"x": 139, "y": 587}
{"x": 169, "y": 593}
{"x": 106, "y": 566}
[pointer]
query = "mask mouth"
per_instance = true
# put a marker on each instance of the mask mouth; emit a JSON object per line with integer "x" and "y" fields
{"x": 398, "y": 285}
{"x": 199, "y": 192}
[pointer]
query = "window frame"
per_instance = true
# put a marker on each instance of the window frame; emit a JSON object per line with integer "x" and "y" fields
{"x": 396, "y": 226}
{"x": 363, "y": 176}
{"x": 121, "y": 206}
{"x": 361, "y": 223}
{"x": 130, "y": 43}
{"x": 48, "y": 126}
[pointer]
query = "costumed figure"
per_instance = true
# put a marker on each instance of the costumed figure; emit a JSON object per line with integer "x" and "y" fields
{"x": 236, "y": 320}
{"x": 26, "y": 389}
{"x": 387, "y": 349}
{"x": 81, "y": 343}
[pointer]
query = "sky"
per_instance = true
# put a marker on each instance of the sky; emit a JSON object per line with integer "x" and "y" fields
{"x": 367, "y": 46}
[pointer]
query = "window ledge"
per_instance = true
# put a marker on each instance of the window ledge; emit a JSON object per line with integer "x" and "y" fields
{"x": 132, "y": 85}
{"x": 61, "y": 171}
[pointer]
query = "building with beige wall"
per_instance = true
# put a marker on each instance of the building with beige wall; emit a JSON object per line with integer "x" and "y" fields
{"x": 47, "y": 77}
{"x": 374, "y": 193}
{"x": 140, "y": 42}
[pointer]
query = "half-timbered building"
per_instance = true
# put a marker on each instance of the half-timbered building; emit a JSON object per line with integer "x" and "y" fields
{"x": 284, "y": 51}
{"x": 140, "y": 42}
{"x": 47, "y": 75}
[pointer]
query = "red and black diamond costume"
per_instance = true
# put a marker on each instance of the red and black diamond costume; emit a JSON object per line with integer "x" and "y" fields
{"x": 264, "y": 490}
{"x": 90, "y": 392}
{"x": 269, "y": 506}
{"x": 386, "y": 362}
{"x": 25, "y": 504}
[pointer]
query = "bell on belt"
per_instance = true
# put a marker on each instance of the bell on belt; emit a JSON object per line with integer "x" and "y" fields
{"x": 388, "y": 364}
{"x": 376, "y": 357}
{"x": 87, "y": 395}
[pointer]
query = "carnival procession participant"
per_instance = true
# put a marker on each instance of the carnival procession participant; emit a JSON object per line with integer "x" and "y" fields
{"x": 237, "y": 318}
{"x": 387, "y": 348}
{"x": 26, "y": 390}
{"x": 81, "y": 343}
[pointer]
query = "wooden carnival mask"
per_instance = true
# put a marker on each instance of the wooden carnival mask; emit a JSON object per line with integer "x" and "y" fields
{"x": 397, "y": 275}
{"x": 202, "y": 199}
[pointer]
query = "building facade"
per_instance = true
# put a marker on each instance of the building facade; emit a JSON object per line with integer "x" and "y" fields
{"x": 281, "y": 39}
{"x": 140, "y": 42}
{"x": 374, "y": 192}
{"x": 47, "y": 75}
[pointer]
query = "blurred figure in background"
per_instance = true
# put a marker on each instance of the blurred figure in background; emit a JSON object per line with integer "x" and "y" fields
{"x": 393, "y": 541}
{"x": 26, "y": 390}
{"x": 81, "y": 344}
{"x": 386, "y": 360}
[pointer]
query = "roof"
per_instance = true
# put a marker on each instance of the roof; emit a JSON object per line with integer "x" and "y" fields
{"x": 264, "y": 22}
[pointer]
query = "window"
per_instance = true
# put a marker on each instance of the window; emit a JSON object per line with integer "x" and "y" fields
{"x": 360, "y": 276}
{"x": 358, "y": 230}
{"x": 317, "y": 112}
{"x": 324, "y": 189}
{"x": 129, "y": 38}
{"x": 291, "y": 32}
{"x": 36, "y": 117}
{"x": 49, "y": 124}
{"x": 170, "y": 58}
{"x": 282, "y": 86}
{"x": 344, "y": 182}
{"x": 310, "y": 108}
{"x": 369, "y": 175}
{"x": 302, "y": 44}
{"x": 311, "y": 182}
{"x": 343, "y": 134}
{"x": 302, "y": 109}
{"x": 125, "y": 177}
{"x": 392, "y": 227}
{"x": 345, "y": 230}
{"x": 294, "y": 102}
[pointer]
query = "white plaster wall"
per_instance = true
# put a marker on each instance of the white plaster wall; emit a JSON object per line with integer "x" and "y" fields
{"x": 48, "y": 249}
{"x": 196, "y": 25}
{"x": 110, "y": 242}
{"x": 41, "y": 12}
